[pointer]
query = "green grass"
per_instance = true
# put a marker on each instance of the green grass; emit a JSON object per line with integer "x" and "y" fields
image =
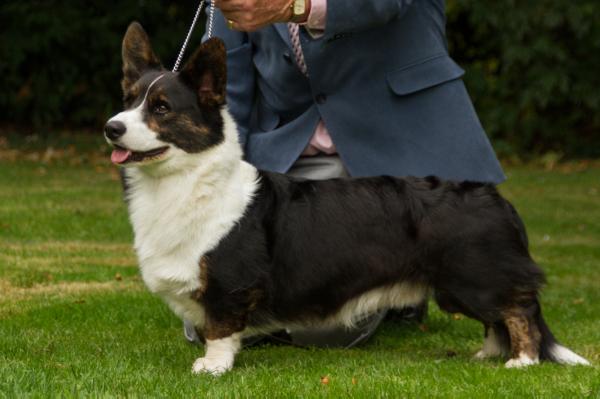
{"x": 76, "y": 320}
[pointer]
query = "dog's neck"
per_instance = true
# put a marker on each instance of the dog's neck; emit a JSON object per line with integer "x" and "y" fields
{"x": 193, "y": 204}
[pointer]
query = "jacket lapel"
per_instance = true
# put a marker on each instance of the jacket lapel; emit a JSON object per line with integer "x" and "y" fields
{"x": 282, "y": 29}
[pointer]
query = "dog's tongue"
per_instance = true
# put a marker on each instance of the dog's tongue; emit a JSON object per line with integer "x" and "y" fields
{"x": 119, "y": 155}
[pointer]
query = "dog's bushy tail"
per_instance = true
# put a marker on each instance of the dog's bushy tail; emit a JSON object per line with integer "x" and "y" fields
{"x": 551, "y": 350}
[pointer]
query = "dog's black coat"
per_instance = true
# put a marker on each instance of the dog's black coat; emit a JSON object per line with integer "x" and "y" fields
{"x": 304, "y": 248}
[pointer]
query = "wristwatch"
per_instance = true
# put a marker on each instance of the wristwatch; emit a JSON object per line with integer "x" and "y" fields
{"x": 300, "y": 10}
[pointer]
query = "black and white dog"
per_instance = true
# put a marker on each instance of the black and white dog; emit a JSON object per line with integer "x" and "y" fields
{"x": 240, "y": 251}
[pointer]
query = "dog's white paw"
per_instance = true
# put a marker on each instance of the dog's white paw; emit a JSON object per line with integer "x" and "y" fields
{"x": 211, "y": 366}
{"x": 520, "y": 362}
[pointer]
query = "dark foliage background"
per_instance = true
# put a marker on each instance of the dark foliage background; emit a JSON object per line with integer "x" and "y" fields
{"x": 533, "y": 70}
{"x": 60, "y": 60}
{"x": 533, "y": 67}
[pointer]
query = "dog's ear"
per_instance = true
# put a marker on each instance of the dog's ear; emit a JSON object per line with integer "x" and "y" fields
{"x": 206, "y": 72}
{"x": 137, "y": 54}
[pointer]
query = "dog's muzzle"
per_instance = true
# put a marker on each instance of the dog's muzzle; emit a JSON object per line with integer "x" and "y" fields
{"x": 113, "y": 130}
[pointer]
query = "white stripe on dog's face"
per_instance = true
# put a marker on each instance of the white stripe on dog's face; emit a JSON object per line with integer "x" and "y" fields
{"x": 138, "y": 136}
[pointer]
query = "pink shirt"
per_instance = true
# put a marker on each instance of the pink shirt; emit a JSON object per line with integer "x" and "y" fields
{"x": 321, "y": 141}
{"x": 317, "y": 16}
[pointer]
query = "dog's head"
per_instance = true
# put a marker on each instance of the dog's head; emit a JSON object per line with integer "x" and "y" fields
{"x": 167, "y": 114}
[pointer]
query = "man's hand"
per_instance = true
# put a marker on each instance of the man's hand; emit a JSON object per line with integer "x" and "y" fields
{"x": 251, "y": 15}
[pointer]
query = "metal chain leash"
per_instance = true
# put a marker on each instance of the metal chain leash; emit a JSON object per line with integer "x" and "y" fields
{"x": 209, "y": 32}
{"x": 211, "y": 17}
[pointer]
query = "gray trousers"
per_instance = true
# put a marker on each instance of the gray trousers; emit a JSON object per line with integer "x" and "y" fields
{"x": 319, "y": 167}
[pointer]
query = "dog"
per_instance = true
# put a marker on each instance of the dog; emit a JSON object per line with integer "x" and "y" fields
{"x": 239, "y": 251}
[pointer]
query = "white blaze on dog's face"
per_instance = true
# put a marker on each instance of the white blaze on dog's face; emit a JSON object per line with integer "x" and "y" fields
{"x": 167, "y": 115}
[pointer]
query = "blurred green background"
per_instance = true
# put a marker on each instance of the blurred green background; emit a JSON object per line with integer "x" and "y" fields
{"x": 533, "y": 67}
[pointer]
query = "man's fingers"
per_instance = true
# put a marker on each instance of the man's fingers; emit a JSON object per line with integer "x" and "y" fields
{"x": 242, "y": 26}
{"x": 251, "y": 15}
{"x": 242, "y": 20}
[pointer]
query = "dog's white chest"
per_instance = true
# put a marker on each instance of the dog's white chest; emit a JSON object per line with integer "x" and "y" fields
{"x": 173, "y": 274}
{"x": 176, "y": 286}
{"x": 178, "y": 220}
{"x": 170, "y": 237}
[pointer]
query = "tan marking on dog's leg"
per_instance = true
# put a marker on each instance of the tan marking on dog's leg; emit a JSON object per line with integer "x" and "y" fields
{"x": 525, "y": 339}
{"x": 223, "y": 342}
{"x": 199, "y": 293}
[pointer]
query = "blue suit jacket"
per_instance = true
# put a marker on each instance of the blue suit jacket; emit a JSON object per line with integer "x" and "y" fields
{"x": 381, "y": 79}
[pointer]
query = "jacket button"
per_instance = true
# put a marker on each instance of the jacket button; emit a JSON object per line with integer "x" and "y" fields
{"x": 321, "y": 98}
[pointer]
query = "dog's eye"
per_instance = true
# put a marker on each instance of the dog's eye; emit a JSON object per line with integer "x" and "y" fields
{"x": 160, "y": 109}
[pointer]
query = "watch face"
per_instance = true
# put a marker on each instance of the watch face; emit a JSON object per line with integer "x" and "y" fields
{"x": 299, "y": 7}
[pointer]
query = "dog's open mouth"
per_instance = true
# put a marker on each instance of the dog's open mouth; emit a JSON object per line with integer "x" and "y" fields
{"x": 122, "y": 155}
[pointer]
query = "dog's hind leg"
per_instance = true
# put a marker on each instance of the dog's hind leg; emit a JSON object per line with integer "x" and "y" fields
{"x": 496, "y": 342}
{"x": 525, "y": 336}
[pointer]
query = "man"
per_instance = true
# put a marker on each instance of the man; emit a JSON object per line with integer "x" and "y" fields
{"x": 329, "y": 88}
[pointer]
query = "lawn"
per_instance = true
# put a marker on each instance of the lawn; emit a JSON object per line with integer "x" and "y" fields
{"x": 76, "y": 320}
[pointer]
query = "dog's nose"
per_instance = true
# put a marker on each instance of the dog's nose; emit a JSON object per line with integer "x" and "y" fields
{"x": 114, "y": 129}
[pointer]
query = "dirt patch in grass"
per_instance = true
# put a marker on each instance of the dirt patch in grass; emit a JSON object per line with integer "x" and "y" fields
{"x": 72, "y": 246}
{"x": 14, "y": 299}
{"x": 29, "y": 263}
{"x": 70, "y": 251}
{"x": 62, "y": 289}
{"x": 61, "y": 262}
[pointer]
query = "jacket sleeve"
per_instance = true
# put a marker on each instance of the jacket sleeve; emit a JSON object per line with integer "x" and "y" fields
{"x": 359, "y": 15}
{"x": 240, "y": 73}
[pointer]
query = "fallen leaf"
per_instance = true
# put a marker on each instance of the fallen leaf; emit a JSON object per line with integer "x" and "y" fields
{"x": 324, "y": 380}
{"x": 354, "y": 381}
{"x": 457, "y": 316}
{"x": 578, "y": 301}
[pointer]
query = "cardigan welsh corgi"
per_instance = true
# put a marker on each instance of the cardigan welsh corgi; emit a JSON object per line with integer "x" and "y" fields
{"x": 240, "y": 251}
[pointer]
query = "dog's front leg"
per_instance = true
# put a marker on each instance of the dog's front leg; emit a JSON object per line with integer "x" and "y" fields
{"x": 219, "y": 355}
{"x": 226, "y": 317}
